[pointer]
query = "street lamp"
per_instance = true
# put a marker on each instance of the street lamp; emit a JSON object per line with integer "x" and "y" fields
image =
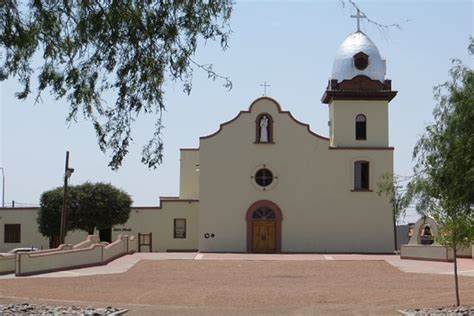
{"x": 3, "y": 187}
{"x": 67, "y": 174}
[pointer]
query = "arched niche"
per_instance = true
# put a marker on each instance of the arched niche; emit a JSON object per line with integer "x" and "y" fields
{"x": 264, "y": 127}
{"x": 419, "y": 230}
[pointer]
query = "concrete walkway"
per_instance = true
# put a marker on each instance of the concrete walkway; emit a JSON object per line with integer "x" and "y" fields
{"x": 465, "y": 266}
{"x": 123, "y": 264}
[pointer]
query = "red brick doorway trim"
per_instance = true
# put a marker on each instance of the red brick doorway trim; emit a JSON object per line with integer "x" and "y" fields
{"x": 278, "y": 219}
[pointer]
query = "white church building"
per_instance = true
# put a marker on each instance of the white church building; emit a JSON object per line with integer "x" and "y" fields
{"x": 265, "y": 183}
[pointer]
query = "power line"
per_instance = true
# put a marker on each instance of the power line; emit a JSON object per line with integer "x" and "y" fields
{"x": 380, "y": 26}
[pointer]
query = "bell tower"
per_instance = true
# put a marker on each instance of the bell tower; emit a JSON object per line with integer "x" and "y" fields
{"x": 358, "y": 95}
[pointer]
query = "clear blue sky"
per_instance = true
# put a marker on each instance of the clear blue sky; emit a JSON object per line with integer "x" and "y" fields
{"x": 291, "y": 45}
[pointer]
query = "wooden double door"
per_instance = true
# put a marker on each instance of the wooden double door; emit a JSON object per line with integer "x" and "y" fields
{"x": 263, "y": 236}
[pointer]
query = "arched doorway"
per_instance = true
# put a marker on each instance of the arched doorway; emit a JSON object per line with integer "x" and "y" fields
{"x": 264, "y": 227}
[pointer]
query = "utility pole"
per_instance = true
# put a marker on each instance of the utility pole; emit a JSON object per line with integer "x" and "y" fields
{"x": 67, "y": 173}
{"x": 3, "y": 187}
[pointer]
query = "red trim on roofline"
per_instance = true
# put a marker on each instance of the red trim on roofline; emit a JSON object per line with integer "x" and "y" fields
{"x": 279, "y": 111}
{"x": 133, "y": 208}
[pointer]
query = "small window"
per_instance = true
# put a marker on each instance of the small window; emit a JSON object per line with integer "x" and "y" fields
{"x": 264, "y": 177}
{"x": 361, "y": 175}
{"x": 263, "y": 213}
{"x": 179, "y": 228}
{"x": 12, "y": 233}
{"x": 264, "y": 129}
{"x": 361, "y": 60}
{"x": 361, "y": 127}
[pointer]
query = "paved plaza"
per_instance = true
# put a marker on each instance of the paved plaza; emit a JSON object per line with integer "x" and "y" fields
{"x": 243, "y": 284}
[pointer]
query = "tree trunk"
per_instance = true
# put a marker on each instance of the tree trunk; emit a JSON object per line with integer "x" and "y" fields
{"x": 395, "y": 231}
{"x": 53, "y": 241}
{"x": 456, "y": 275}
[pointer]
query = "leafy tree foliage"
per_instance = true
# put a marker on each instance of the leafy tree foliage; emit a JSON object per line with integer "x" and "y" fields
{"x": 90, "y": 206}
{"x": 100, "y": 206}
{"x": 128, "y": 48}
{"x": 391, "y": 186}
{"x": 444, "y": 171}
{"x": 49, "y": 216}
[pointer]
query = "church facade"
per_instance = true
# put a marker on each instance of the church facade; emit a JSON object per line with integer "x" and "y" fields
{"x": 265, "y": 183}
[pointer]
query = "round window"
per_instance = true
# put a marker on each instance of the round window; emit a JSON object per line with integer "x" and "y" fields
{"x": 264, "y": 177}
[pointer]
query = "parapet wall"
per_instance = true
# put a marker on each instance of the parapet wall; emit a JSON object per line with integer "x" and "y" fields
{"x": 84, "y": 254}
{"x": 7, "y": 264}
{"x": 427, "y": 252}
{"x": 465, "y": 252}
{"x": 90, "y": 240}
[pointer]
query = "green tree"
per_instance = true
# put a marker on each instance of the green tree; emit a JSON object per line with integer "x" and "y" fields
{"x": 127, "y": 48}
{"x": 391, "y": 186}
{"x": 100, "y": 206}
{"x": 444, "y": 171}
{"x": 49, "y": 216}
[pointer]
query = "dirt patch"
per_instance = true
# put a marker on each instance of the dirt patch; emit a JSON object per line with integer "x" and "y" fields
{"x": 335, "y": 287}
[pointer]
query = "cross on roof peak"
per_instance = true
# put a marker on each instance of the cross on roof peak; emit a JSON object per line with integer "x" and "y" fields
{"x": 358, "y": 16}
{"x": 265, "y": 85}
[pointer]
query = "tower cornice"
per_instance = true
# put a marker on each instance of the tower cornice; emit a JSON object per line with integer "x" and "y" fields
{"x": 358, "y": 88}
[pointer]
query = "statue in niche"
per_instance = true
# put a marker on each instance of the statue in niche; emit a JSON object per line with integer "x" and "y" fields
{"x": 427, "y": 237}
{"x": 264, "y": 129}
{"x": 427, "y": 231}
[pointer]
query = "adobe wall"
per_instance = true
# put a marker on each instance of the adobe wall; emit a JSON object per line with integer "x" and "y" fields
{"x": 159, "y": 222}
{"x": 313, "y": 189}
{"x": 30, "y": 236}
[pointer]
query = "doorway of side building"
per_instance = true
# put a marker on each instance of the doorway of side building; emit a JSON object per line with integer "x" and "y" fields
{"x": 264, "y": 227}
{"x": 105, "y": 235}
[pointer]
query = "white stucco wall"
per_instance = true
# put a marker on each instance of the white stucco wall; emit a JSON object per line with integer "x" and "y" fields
{"x": 426, "y": 252}
{"x": 30, "y": 236}
{"x": 159, "y": 221}
{"x": 38, "y": 262}
{"x": 7, "y": 264}
{"x": 342, "y": 117}
{"x": 320, "y": 213}
{"x": 189, "y": 174}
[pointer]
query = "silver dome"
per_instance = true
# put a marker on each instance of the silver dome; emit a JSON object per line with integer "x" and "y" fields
{"x": 343, "y": 67}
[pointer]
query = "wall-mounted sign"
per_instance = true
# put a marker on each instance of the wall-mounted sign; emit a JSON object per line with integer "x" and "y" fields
{"x": 122, "y": 229}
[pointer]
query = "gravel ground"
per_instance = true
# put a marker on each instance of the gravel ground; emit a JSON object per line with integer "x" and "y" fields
{"x": 50, "y": 310}
{"x": 180, "y": 287}
{"x": 451, "y": 311}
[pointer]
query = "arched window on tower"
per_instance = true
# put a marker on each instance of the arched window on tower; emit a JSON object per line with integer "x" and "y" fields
{"x": 264, "y": 129}
{"x": 361, "y": 127}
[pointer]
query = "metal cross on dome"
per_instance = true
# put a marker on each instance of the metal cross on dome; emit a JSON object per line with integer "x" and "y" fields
{"x": 358, "y": 16}
{"x": 265, "y": 85}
